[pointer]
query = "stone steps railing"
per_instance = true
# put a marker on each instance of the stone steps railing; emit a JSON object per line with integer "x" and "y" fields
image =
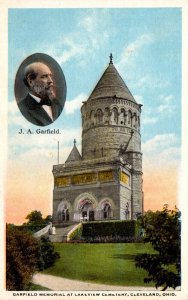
{"x": 44, "y": 231}
{"x": 72, "y": 230}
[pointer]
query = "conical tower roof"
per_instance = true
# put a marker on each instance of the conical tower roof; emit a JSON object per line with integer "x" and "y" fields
{"x": 74, "y": 154}
{"x": 111, "y": 84}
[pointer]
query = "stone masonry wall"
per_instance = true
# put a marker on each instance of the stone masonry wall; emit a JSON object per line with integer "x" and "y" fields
{"x": 107, "y": 124}
{"x": 101, "y": 192}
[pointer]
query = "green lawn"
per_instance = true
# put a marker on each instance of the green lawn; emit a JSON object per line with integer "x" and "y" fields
{"x": 36, "y": 287}
{"x": 100, "y": 263}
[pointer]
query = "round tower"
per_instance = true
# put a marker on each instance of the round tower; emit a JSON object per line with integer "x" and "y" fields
{"x": 111, "y": 128}
{"x": 110, "y": 118}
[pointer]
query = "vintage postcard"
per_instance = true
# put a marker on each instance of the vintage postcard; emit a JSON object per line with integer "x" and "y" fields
{"x": 94, "y": 149}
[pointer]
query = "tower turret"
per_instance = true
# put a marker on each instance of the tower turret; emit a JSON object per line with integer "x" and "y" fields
{"x": 111, "y": 128}
{"x": 109, "y": 116}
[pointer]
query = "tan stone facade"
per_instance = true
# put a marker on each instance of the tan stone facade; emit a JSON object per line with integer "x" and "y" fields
{"x": 105, "y": 182}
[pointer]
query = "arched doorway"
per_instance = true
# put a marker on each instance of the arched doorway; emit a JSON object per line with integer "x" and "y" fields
{"x": 107, "y": 211}
{"x": 85, "y": 206}
{"x": 127, "y": 211}
{"x": 86, "y": 210}
{"x": 63, "y": 215}
{"x": 63, "y": 212}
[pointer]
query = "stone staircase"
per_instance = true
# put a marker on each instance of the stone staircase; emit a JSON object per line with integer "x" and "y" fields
{"x": 61, "y": 234}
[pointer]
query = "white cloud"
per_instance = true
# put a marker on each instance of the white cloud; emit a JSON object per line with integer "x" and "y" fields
{"x": 42, "y": 158}
{"x": 19, "y": 121}
{"x": 142, "y": 82}
{"x": 72, "y": 48}
{"x": 12, "y": 107}
{"x": 167, "y": 99}
{"x": 149, "y": 120}
{"x": 167, "y": 106}
{"x": 149, "y": 116}
{"x": 74, "y": 104}
{"x": 88, "y": 23}
{"x": 42, "y": 140}
{"x": 139, "y": 99}
{"x": 160, "y": 142}
{"x": 153, "y": 115}
{"x": 92, "y": 33}
{"x": 161, "y": 150}
{"x": 15, "y": 116}
{"x": 150, "y": 82}
{"x": 96, "y": 29}
{"x": 131, "y": 51}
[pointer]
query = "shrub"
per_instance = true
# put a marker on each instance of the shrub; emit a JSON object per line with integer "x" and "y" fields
{"x": 48, "y": 256}
{"x": 112, "y": 239}
{"x": 31, "y": 228}
{"x": 22, "y": 258}
{"x": 125, "y": 228}
{"x": 163, "y": 231}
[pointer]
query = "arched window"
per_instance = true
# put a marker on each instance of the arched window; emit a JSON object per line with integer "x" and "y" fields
{"x": 129, "y": 117}
{"x": 63, "y": 214}
{"x": 114, "y": 116}
{"x": 107, "y": 211}
{"x": 138, "y": 122}
{"x": 92, "y": 117}
{"x": 106, "y": 115}
{"x": 99, "y": 116}
{"x": 134, "y": 120}
{"x": 67, "y": 215}
{"x": 122, "y": 117}
{"x": 59, "y": 216}
{"x": 127, "y": 211}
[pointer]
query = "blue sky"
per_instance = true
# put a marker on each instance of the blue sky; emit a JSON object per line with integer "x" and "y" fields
{"x": 146, "y": 46}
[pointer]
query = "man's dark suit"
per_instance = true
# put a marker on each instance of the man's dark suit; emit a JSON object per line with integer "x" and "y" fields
{"x": 34, "y": 112}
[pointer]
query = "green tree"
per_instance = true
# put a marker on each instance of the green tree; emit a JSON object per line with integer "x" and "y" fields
{"x": 22, "y": 258}
{"x": 48, "y": 255}
{"x": 48, "y": 219}
{"x": 34, "y": 217}
{"x": 163, "y": 231}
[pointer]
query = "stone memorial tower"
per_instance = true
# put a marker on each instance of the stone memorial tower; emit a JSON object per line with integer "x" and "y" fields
{"x": 105, "y": 182}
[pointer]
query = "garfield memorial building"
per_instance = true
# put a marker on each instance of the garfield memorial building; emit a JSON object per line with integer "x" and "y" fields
{"x": 104, "y": 181}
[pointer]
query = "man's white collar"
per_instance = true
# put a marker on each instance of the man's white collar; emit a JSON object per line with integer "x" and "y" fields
{"x": 47, "y": 109}
{"x": 35, "y": 97}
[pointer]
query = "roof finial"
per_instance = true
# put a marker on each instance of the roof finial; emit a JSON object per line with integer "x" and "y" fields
{"x": 74, "y": 142}
{"x": 111, "y": 59}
